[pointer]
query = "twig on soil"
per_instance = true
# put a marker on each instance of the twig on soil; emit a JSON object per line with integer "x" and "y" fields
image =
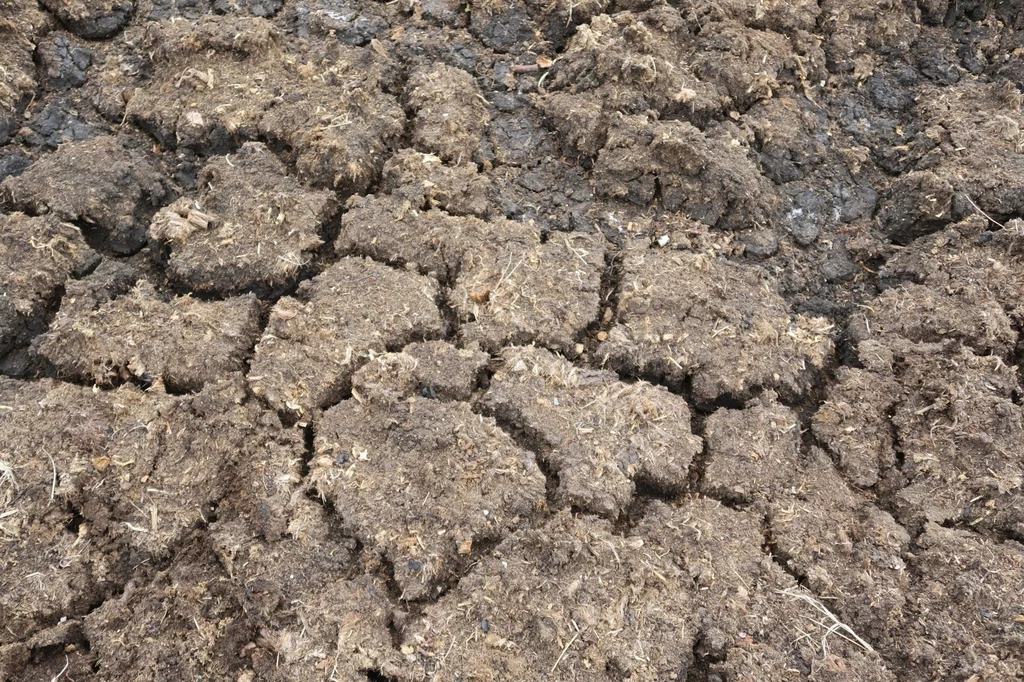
{"x": 834, "y": 628}
{"x": 67, "y": 664}
{"x": 7, "y": 481}
{"x": 978, "y": 209}
{"x": 53, "y": 485}
{"x": 564, "y": 651}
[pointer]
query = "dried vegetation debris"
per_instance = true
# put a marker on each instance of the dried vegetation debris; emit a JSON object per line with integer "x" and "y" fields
{"x": 599, "y": 436}
{"x": 333, "y": 324}
{"x": 182, "y": 341}
{"x": 684, "y": 315}
{"x": 250, "y": 226}
{"x": 420, "y": 481}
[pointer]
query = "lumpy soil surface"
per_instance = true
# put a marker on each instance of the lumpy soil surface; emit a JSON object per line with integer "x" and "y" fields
{"x": 511, "y": 340}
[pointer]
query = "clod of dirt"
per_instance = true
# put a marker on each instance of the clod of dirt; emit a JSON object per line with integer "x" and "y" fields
{"x": 350, "y": 312}
{"x": 509, "y": 285}
{"x": 225, "y": 80}
{"x": 257, "y": 8}
{"x": 777, "y": 15}
{"x": 340, "y": 622}
{"x": 569, "y": 599}
{"x": 920, "y": 313}
{"x": 847, "y": 551}
{"x": 754, "y": 622}
{"x": 188, "y": 101}
{"x": 33, "y": 659}
{"x": 631, "y": 62}
{"x": 704, "y": 175}
{"x": 657, "y": 60}
{"x": 522, "y": 289}
{"x": 97, "y": 182}
{"x": 91, "y": 19}
{"x": 958, "y": 427}
{"x": 853, "y": 425}
{"x": 250, "y": 226}
{"x": 439, "y": 370}
{"x": 182, "y": 341}
{"x": 393, "y": 230}
{"x": 304, "y": 600}
{"x": 47, "y": 569}
{"x": 420, "y": 481}
{"x": 116, "y": 479}
{"x": 842, "y": 546}
{"x": 964, "y": 620}
{"x": 270, "y": 611}
{"x": 723, "y": 324}
{"x": 596, "y": 433}
{"x": 349, "y": 21}
{"x": 425, "y": 182}
{"x": 859, "y": 33}
{"x": 141, "y": 468}
{"x": 915, "y": 204}
{"x": 38, "y": 255}
{"x": 501, "y": 26}
{"x": 21, "y": 20}
{"x": 450, "y": 112}
{"x": 63, "y": 61}
{"x": 970, "y": 264}
{"x": 788, "y": 134}
{"x": 753, "y": 453}
{"x": 979, "y": 129}
{"x": 339, "y": 124}
{"x": 151, "y": 631}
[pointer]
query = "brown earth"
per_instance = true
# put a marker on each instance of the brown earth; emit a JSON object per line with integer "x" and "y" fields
{"x": 621, "y": 340}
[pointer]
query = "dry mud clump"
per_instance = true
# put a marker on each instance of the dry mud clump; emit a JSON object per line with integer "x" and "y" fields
{"x": 477, "y": 484}
{"x": 598, "y": 435}
{"x": 38, "y": 255}
{"x": 723, "y": 326}
{"x": 228, "y": 79}
{"x": 333, "y": 324}
{"x": 250, "y": 225}
{"x": 125, "y": 475}
{"x": 99, "y": 183}
{"x": 509, "y": 283}
{"x": 109, "y": 342}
